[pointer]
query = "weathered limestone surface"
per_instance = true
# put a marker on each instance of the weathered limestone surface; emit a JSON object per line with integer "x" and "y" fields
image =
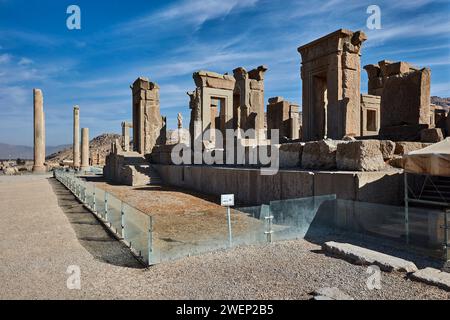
{"x": 432, "y": 135}
{"x": 296, "y": 184}
{"x": 363, "y": 155}
{"x": 84, "y": 148}
{"x": 248, "y": 100}
{"x": 433, "y": 277}
{"x": 387, "y": 149}
{"x": 252, "y": 189}
{"x": 396, "y": 162}
{"x": 370, "y": 115}
{"x": 148, "y": 125}
{"x": 406, "y": 99}
{"x": 331, "y": 85}
{"x": 404, "y": 147}
{"x": 379, "y": 187}
{"x": 291, "y": 154}
{"x": 320, "y": 154}
{"x": 76, "y": 137}
{"x": 284, "y": 116}
{"x": 129, "y": 168}
{"x": 212, "y": 105}
{"x": 403, "y": 132}
{"x": 39, "y": 132}
{"x": 10, "y": 171}
{"x": 126, "y": 126}
{"x": 342, "y": 184}
{"x": 363, "y": 256}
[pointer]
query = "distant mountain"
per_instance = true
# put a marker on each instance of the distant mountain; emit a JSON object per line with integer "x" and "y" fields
{"x": 99, "y": 147}
{"x": 443, "y": 102}
{"x": 8, "y": 151}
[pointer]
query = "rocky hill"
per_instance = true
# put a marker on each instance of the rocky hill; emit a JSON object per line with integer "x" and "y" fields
{"x": 444, "y": 102}
{"x": 99, "y": 147}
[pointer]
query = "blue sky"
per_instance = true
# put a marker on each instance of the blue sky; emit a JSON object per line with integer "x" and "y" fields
{"x": 168, "y": 40}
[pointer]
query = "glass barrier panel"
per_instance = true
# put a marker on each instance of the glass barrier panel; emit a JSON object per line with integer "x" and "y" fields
{"x": 100, "y": 202}
{"x": 89, "y": 200}
{"x": 191, "y": 233}
{"x": 115, "y": 213}
{"x": 137, "y": 231}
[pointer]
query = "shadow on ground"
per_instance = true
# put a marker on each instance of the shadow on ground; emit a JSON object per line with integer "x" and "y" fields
{"x": 91, "y": 234}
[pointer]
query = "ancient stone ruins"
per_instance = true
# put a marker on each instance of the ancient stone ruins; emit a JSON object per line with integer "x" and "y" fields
{"x": 340, "y": 141}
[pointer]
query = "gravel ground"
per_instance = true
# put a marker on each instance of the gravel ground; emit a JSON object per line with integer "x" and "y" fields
{"x": 43, "y": 230}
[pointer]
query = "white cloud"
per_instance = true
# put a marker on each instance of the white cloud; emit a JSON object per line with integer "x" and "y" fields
{"x": 189, "y": 12}
{"x": 25, "y": 61}
{"x": 5, "y": 58}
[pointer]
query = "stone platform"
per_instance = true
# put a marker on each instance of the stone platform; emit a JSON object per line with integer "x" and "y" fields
{"x": 252, "y": 188}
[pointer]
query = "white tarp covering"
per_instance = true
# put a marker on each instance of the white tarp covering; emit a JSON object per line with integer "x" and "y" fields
{"x": 433, "y": 160}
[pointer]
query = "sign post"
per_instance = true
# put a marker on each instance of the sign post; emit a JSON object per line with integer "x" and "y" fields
{"x": 227, "y": 200}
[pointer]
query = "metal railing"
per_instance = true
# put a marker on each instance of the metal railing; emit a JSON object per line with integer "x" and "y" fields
{"x": 128, "y": 224}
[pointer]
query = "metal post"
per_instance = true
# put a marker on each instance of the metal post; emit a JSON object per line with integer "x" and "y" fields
{"x": 269, "y": 232}
{"x": 93, "y": 203}
{"x": 446, "y": 234}
{"x": 406, "y": 207}
{"x": 230, "y": 240}
{"x": 106, "y": 206}
{"x": 122, "y": 223}
{"x": 150, "y": 240}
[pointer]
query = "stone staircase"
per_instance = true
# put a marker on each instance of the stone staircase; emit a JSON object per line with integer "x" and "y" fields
{"x": 438, "y": 190}
{"x": 136, "y": 171}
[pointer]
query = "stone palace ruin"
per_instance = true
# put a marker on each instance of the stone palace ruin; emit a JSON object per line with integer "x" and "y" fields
{"x": 340, "y": 141}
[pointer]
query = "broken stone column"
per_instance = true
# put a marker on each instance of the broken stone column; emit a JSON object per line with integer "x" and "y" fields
{"x": 248, "y": 100}
{"x": 405, "y": 99}
{"x": 126, "y": 126}
{"x": 76, "y": 137}
{"x": 283, "y": 115}
{"x": 39, "y": 132}
{"x": 147, "y": 121}
{"x": 84, "y": 149}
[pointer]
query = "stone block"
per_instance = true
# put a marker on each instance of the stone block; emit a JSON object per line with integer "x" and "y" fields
{"x": 404, "y": 147}
{"x": 320, "y": 154}
{"x": 432, "y": 135}
{"x": 387, "y": 149}
{"x": 402, "y": 132}
{"x": 397, "y": 68}
{"x": 291, "y": 155}
{"x": 363, "y": 256}
{"x": 342, "y": 184}
{"x": 396, "y": 162}
{"x": 296, "y": 184}
{"x": 406, "y": 99}
{"x": 373, "y": 71}
{"x": 363, "y": 155}
{"x": 385, "y": 187}
{"x": 433, "y": 277}
{"x": 275, "y": 100}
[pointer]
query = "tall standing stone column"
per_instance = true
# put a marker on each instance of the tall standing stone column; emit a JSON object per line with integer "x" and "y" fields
{"x": 85, "y": 149}
{"x": 126, "y": 136}
{"x": 39, "y": 132}
{"x": 76, "y": 137}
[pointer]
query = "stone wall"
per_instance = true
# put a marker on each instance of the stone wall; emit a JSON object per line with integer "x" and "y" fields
{"x": 370, "y": 115}
{"x": 284, "y": 116}
{"x": 252, "y": 188}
